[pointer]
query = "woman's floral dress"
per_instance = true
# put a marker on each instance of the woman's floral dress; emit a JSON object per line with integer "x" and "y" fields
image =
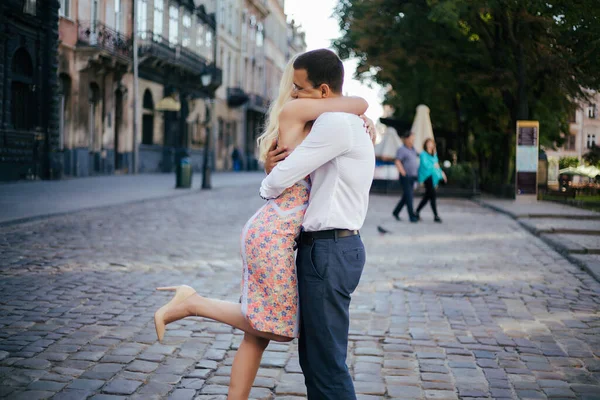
{"x": 269, "y": 285}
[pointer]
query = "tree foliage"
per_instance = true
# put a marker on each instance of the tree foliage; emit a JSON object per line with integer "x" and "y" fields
{"x": 592, "y": 157}
{"x": 480, "y": 65}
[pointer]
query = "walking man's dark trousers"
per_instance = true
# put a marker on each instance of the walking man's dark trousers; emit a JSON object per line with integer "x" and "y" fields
{"x": 407, "y": 183}
{"x": 328, "y": 272}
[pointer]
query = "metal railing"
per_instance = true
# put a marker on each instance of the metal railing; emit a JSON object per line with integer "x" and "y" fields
{"x": 96, "y": 34}
{"x": 257, "y": 102}
{"x": 161, "y": 47}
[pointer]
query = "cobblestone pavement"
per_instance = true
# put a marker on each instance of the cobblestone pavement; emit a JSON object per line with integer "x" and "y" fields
{"x": 473, "y": 308}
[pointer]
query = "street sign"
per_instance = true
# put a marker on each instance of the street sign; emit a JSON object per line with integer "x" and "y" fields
{"x": 527, "y": 157}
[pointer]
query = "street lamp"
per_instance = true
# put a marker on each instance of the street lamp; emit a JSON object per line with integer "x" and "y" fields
{"x": 206, "y": 79}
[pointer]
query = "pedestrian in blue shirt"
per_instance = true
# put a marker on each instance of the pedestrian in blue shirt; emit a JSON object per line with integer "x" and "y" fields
{"x": 407, "y": 162}
{"x": 430, "y": 174}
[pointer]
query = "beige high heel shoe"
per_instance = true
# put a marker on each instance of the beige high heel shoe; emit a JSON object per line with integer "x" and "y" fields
{"x": 181, "y": 293}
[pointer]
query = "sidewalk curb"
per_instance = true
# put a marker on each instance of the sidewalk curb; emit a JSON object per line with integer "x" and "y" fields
{"x": 19, "y": 221}
{"x": 562, "y": 250}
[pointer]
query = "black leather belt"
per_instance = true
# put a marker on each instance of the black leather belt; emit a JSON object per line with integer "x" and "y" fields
{"x": 310, "y": 237}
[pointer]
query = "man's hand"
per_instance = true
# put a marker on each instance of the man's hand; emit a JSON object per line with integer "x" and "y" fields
{"x": 370, "y": 126}
{"x": 400, "y": 167}
{"x": 274, "y": 156}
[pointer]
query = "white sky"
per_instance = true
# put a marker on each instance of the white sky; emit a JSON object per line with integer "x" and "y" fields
{"x": 316, "y": 18}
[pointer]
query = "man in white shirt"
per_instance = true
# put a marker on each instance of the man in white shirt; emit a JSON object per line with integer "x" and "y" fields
{"x": 340, "y": 160}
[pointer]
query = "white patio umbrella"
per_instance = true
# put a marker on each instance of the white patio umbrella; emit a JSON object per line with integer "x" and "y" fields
{"x": 386, "y": 151}
{"x": 421, "y": 127}
{"x": 390, "y": 141}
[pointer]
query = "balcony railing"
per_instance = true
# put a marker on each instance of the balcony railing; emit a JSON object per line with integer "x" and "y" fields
{"x": 160, "y": 47}
{"x": 257, "y": 103}
{"x": 236, "y": 97}
{"x": 96, "y": 34}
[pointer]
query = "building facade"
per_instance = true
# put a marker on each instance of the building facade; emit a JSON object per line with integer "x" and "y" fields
{"x": 253, "y": 48}
{"x": 29, "y": 127}
{"x": 176, "y": 46}
{"x": 95, "y": 86}
{"x": 72, "y": 61}
{"x": 584, "y": 132}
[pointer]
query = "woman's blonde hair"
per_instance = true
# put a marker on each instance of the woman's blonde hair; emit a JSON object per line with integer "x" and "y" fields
{"x": 272, "y": 123}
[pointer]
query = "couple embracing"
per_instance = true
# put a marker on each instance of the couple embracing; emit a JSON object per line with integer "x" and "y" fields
{"x": 320, "y": 165}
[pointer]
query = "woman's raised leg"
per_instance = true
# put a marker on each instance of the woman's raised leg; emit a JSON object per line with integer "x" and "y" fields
{"x": 223, "y": 311}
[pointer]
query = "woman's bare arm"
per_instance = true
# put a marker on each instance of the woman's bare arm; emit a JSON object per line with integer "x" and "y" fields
{"x": 305, "y": 110}
{"x": 297, "y": 113}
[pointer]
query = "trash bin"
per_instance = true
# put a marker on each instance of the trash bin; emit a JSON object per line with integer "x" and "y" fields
{"x": 183, "y": 173}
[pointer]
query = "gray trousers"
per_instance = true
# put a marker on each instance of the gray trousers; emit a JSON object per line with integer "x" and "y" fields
{"x": 328, "y": 272}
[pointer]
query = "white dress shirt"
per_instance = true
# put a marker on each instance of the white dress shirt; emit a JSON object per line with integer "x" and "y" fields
{"x": 339, "y": 156}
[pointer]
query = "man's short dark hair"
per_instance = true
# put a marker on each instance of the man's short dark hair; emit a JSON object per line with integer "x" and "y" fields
{"x": 322, "y": 66}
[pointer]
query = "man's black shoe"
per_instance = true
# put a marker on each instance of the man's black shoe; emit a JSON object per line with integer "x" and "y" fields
{"x": 397, "y": 217}
{"x": 437, "y": 219}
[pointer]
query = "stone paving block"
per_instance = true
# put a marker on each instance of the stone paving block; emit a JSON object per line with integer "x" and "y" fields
{"x": 88, "y": 355}
{"x": 32, "y": 395}
{"x": 260, "y": 394}
{"x": 431, "y": 377}
{"x": 117, "y": 359}
{"x": 530, "y": 394}
{"x": 33, "y": 363}
{"x": 86, "y": 384}
{"x": 405, "y": 392}
{"x": 155, "y": 388}
{"x": 554, "y": 392}
{"x": 142, "y": 366}
{"x": 440, "y": 395}
{"x": 209, "y": 364}
{"x": 183, "y": 394}
{"x": 400, "y": 364}
{"x": 72, "y": 394}
{"x": 49, "y": 386}
{"x": 199, "y": 373}
{"x": 438, "y": 386}
{"x": 373, "y": 388}
{"x": 214, "y": 389}
{"x": 121, "y": 386}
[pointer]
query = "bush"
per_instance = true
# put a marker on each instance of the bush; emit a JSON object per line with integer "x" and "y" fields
{"x": 461, "y": 175}
{"x": 592, "y": 157}
{"x": 566, "y": 162}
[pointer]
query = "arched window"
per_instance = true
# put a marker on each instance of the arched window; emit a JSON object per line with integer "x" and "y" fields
{"x": 30, "y": 6}
{"x": 148, "y": 102}
{"x": 23, "y": 109}
{"x": 64, "y": 92}
{"x": 148, "y": 118}
{"x": 93, "y": 122}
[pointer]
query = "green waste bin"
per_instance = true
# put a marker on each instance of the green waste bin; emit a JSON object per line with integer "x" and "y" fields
{"x": 184, "y": 173}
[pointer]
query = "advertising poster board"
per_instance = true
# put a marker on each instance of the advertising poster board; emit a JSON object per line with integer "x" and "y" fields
{"x": 527, "y": 158}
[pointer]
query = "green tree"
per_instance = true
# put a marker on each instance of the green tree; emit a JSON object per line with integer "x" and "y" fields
{"x": 592, "y": 157}
{"x": 566, "y": 162}
{"x": 480, "y": 65}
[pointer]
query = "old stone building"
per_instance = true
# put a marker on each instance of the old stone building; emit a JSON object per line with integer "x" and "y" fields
{"x": 95, "y": 59}
{"x": 177, "y": 49}
{"x": 176, "y": 46}
{"x": 67, "y": 88}
{"x": 29, "y": 126}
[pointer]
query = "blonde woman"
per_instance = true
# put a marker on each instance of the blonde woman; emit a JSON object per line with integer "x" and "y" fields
{"x": 269, "y": 302}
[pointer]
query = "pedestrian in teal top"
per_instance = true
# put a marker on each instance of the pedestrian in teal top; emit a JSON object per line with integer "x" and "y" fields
{"x": 430, "y": 174}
